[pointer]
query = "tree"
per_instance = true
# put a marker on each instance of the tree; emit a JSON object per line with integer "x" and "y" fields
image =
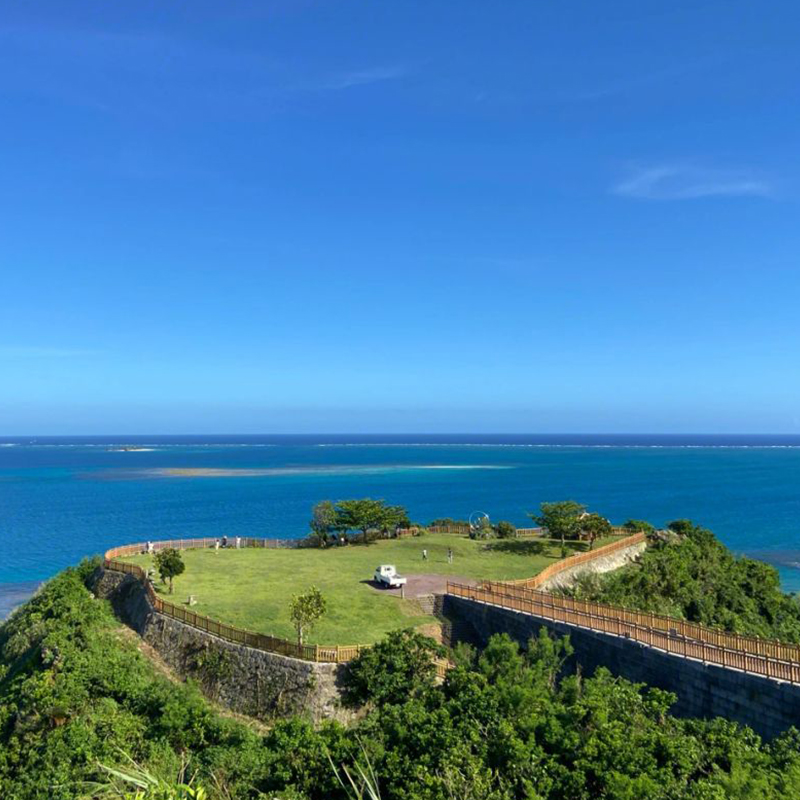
{"x": 505, "y": 530}
{"x": 562, "y": 520}
{"x": 638, "y": 525}
{"x": 395, "y": 517}
{"x": 169, "y": 564}
{"x": 593, "y": 527}
{"x": 399, "y": 667}
{"x": 367, "y": 514}
{"x": 305, "y": 610}
{"x": 323, "y": 521}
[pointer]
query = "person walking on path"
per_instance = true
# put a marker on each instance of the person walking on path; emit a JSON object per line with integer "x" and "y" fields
{"x": 449, "y": 555}
{"x": 424, "y": 554}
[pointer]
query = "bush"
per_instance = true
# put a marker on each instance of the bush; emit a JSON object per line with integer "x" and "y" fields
{"x": 638, "y": 525}
{"x": 399, "y": 667}
{"x": 505, "y": 530}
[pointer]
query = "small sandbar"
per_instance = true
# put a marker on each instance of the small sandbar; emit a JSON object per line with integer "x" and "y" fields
{"x": 223, "y": 472}
{"x": 212, "y": 472}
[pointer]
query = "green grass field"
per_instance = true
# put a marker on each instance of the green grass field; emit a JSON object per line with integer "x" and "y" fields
{"x": 252, "y": 588}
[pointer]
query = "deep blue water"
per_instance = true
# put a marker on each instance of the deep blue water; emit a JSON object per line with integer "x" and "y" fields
{"x": 61, "y": 499}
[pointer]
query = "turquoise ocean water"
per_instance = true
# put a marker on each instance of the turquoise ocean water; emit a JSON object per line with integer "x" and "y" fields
{"x": 61, "y": 499}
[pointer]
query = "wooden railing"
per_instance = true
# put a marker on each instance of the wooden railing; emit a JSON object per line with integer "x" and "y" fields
{"x": 749, "y": 654}
{"x": 272, "y": 644}
{"x": 462, "y": 529}
{"x": 207, "y": 542}
{"x": 576, "y": 560}
{"x": 771, "y": 648}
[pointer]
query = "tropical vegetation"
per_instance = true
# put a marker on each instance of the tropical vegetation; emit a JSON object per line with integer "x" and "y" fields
{"x": 84, "y": 714}
{"x": 686, "y": 572}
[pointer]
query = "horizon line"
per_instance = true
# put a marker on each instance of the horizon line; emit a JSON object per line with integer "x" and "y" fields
{"x": 405, "y": 433}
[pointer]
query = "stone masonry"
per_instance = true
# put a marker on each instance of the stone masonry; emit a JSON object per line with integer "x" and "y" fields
{"x": 244, "y": 679}
{"x": 703, "y": 690}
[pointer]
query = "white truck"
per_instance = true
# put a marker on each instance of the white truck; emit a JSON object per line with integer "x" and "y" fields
{"x": 387, "y": 575}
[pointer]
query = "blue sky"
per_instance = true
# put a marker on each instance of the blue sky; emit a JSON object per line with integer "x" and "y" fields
{"x": 399, "y": 216}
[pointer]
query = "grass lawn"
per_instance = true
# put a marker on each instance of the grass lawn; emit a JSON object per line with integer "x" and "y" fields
{"x": 252, "y": 588}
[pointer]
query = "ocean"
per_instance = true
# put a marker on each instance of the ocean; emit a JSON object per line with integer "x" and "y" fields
{"x": 64, "y": 498}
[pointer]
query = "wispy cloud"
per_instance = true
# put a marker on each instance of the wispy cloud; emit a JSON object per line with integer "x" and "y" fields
{"x": 683, "y": 182}
{"x": 36, "y": 351}
{"x": 346, "y": 80}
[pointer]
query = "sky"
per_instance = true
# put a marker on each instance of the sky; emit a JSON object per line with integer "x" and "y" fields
{"x": 295, "y": 216}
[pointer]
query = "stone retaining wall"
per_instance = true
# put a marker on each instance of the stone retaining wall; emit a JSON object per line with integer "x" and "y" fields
{"x": 246, "y": 680}
{"x": 603, "y": 563}
{"x": 704, "y": 690}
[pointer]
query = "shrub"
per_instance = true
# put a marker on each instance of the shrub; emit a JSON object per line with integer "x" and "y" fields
{"x": 505, "y": 530}
{"x": 399, "y": 667}
{"x": 638, "y": 525}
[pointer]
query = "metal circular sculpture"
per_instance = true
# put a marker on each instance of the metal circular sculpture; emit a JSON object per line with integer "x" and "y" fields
{"x": 478, "y": 520}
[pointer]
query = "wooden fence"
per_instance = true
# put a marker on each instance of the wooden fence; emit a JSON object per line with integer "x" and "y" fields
{"x": 715, "y": 637}
{"x": 576, "y": 560}
{"x": 309, "y": 652}
{"x": 749, "y": 654}
{"x": 457, "y": 530}
{"x": 463, "y": 529}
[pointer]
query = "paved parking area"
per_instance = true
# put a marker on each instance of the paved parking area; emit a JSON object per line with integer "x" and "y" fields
{"x": 426, "y": 583}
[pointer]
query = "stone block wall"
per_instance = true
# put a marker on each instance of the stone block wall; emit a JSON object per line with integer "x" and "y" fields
{"x": 703, "y": 690}
{"x": 248, "y": 681}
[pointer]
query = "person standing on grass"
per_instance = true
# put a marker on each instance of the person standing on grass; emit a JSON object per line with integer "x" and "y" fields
{"x": 424, "y": 554}
{"x": 449, "y": 555}
{"x": 216, "y": 545}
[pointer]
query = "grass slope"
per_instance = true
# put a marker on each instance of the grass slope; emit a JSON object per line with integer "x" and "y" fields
{"x": 252, "y": 588}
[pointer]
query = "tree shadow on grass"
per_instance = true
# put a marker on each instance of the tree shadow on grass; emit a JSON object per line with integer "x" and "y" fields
{"x": 533, "y": 547}
{"x": 516, "y": 547}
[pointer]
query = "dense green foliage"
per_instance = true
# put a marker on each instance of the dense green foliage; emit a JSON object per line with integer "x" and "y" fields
{"x": 396, "y": 669}
{"x": 562, "y": 519}
{"x": 365, "y": 515}
{"x": 505, "y": 530}
{"x": 594, "y": 527}
{"x": 323, "y": 521}
{"x": 638, "y": 525}
{"x": 691, "y": 575}
{"x": 169, "y": 564}
{"x": 76, "y": 694}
